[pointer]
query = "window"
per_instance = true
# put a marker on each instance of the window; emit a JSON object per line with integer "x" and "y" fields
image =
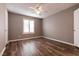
{"x": 28, "y": 26}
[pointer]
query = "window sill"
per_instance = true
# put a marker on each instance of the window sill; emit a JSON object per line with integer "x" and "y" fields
{"x": 28, "y": 33}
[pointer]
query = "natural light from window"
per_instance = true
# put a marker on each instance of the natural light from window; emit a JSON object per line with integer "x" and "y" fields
{"x": 28, "y": 26}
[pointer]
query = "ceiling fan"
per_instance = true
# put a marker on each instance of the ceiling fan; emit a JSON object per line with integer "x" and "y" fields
{"x": 37, "y": 8}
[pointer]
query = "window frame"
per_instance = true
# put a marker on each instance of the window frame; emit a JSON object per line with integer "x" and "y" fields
{"x": 28, "y": 26}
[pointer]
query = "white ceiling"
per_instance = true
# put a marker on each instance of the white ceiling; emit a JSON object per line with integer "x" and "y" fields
{"x": 47, "y": 8}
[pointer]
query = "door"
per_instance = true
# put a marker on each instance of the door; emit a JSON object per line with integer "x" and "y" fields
{"x": 76, "y": 27}
{"x": 3, "y": 27}
{"x": 6, "y": 26}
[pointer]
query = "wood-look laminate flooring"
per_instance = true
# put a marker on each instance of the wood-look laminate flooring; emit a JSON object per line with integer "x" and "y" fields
{"x": 40, "y": 47}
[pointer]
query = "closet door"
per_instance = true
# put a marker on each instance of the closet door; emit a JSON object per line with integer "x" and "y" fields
{"x": 3, "y": 31}
{"x": 6, "y": 26}
{"x": 76, "y": 27}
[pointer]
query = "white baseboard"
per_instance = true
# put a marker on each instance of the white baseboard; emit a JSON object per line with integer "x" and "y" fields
{"x": 43, "y": 37}
{"x": 24, "y": 39}
{"x": 2, "y": 51}
{"x": 58, "y": 41}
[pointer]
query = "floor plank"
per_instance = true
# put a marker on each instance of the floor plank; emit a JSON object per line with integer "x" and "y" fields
{"x": 40, "y": 47}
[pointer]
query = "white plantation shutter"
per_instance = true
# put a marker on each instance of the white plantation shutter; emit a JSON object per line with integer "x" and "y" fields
{"x": 28, "y": 26}
{"x": 31, "y": 25}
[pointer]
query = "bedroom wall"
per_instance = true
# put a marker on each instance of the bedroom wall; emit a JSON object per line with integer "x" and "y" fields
{"x": 16, "y": 26}
{"x": 60, "y": 25}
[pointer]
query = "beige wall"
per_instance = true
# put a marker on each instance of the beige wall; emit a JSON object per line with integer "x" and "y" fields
{"x": 3, "y": 28}
{"x": 60, "y": 25}
{"x": 16, "y": 26}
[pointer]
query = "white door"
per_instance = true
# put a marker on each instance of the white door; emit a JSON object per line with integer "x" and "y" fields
{"x": 3, "y": 27}
{"x": 76, "y": 27}
{"x": 6, "y": 26}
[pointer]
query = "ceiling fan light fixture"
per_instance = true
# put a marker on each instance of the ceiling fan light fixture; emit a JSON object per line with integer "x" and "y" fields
{"x": 37, "y": 9}
{"x": 38, "y": 12}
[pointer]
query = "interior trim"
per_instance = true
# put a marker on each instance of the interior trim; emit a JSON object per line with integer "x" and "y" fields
{"x": 24, "y": 39}
{"x": 58, "y": 41}
{"x": 2, "y": 51}
{"x": 43, "y": 37}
